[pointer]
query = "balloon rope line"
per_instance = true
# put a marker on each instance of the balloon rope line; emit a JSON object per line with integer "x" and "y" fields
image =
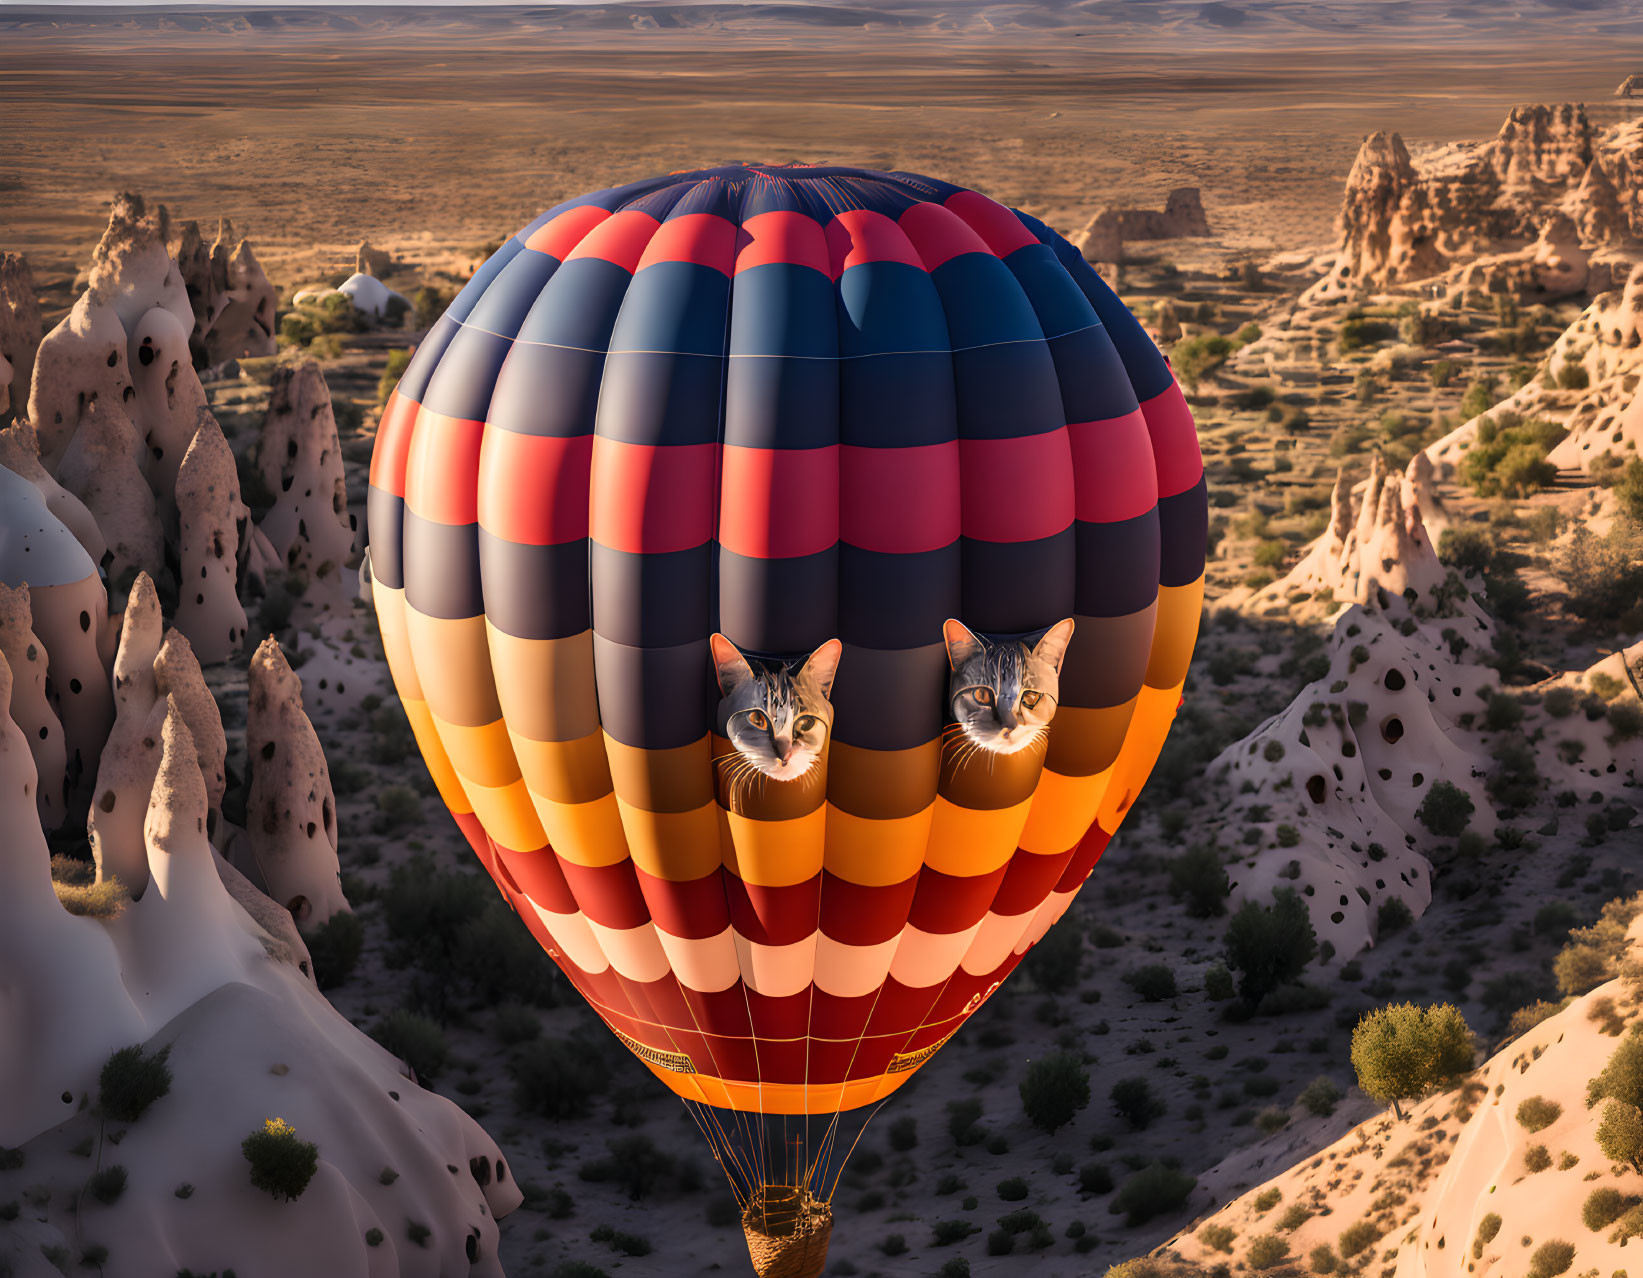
{"x": 824, "y": 1151}
{"x": 834, "y": 1188}
{"x": 715, "y": 1147}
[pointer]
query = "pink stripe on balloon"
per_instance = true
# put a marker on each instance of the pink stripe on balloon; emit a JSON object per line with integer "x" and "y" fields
{"x": 902, "y": 500}
{"x": 1017, "y": 489}
{"x": 1113, "y": 460}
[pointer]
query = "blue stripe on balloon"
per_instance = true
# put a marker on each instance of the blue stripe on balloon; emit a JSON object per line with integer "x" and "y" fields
{"x": 578, "y": 306}
{"x": 779, "y": 606}
{"x": 489, "y": 269}
{"x": 889, "y": 307}
{"x": 1184, "y": 519}
{"x": 547, "y": 390}
{"x": 661, "y": 398}
{"x": 429, "y": 352}
{"x": 504, "y": 305}
{"x": 461, "y": 385}
{"x": 1118, "y": 565}
{"x": 679, "y": 307}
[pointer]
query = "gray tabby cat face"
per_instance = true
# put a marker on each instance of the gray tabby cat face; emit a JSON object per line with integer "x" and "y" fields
{"x": 1003, "y": 691}
{"x": 777, "y": 716}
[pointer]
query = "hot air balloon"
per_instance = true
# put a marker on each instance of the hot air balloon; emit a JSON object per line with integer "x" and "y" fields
{"x": 788, "y": 404}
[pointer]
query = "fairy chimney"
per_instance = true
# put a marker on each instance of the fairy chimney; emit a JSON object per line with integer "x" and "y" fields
{"x": 209, "y": 517}
{"x": 103, "y": 468}
{"x": 20, "y": 330}
{"x": 31, "y": 708}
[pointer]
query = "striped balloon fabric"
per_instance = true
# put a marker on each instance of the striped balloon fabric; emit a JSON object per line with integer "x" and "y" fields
{"x": 789, "y": 404}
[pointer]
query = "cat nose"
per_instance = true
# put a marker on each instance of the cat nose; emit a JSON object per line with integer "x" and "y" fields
{"x": 784, "y": 749}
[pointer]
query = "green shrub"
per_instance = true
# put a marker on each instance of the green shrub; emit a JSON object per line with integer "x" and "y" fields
{"x": 1269, "y": 945}
{"x": 957, "y": 1267}
{"x": 1622, "y": 1077}
{"x": 131, "y": 1081}
{"x": 904, "y": 1134}
{"x": 398, "y": 808}
{"x": 1604, "y": 576}
{"x": 1356, "y": 333}
{"x": 1603, "y": 1207}
{"x": 1012, "y": 1190}
{"x": 1537, "y": 1113}
{"x": 1620, "y": 1134}
{"x": 335, "y": 947}
{"x": 1537, "y": 1158}
{"x": 1393, "y": 917}
{"x": 1488, "y": 1227}
{"x": 398, "y": 362}
{"x": 1445, "y": 809}
{"x": 514, "y": 1023}
{"x": 282, "y": 1163}
{"x": 1357, "y": 1238}
{"x": 559, "y": 1078}
{"x": 415, "y": 1039}
{"x": 1198, "y": 357}
{"x": 1551, "y": 1258}
{"x": 1054, "y": 962}
{"x": 633, "y": 1163}
{"x": 1320, "y": 1096}
{"x": 1055, "y": 1088}
{"x": 1198, "y": 877}
{"x": 107, "y": 1184}
{"x": 1218, "y": 986}
{"x": 1268, "y": 1198}
{"x": 948, "y": 1232}
{"x": 1094, "y": 1178}
{"x": 1322, "y": 1259}
{"x": 1154, "y": 982}
{"x": 1153, "y": 1191}
{"x": 1297, "y": 1215}
{"x": 1267, "y": 1252}
{"x": 1401, "y": 1051}
{"x": 1134, "y": 1101}
{"x": 1217, "y": 1237}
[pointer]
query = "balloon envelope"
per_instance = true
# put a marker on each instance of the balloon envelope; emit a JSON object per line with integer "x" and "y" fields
{"x": 789, "y": 404}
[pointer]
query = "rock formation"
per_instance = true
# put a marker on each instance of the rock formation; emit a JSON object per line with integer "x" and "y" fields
{"x": 210, "y": 515}
{"x": 20, "y": 454}
{"x": 372, "y": 261}
{"x": 1630, "y": 87}
{"x": 309, "y": 526}
{"x": 81, "y": 362}
{"x": 31, "y": 709}
{"x": 19, "y": 332}
{"x": 125, "y": 773}
{"x": 103, "y": 467}
{"x": 290, "y": 809}
{"x": 232, "y": 300}
{"x": 1540, "y": 147}
{"x": 1554, "y": 266}
{"x": 1376, "y": 544}
{"x": 1348, "y": 762}
{"x": 169, "y": 404}
{"x": 1595, "y": 207}
{"x": 177, "y": 675}
{"x": 1103, "y": 236}
{"x": 131, "y": 267}
{"x": 186, "y": 972}
{"x": 69, "y": 612}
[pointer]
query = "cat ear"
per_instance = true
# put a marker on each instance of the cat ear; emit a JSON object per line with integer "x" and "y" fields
{"x": 1053, "y": 646}
{"x": 961, "y": 643}
{"x": 822, "y": 664}
{"x": 733, "y": 668}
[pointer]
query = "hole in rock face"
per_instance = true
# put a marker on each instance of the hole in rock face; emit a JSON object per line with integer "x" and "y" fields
{"x": 473, "y": 1249}
{"x": 1418, "y": 778}
{"x": 1348, "y": 749}
{"x": 85, "y": 620}
{"x": 1392, "y": 730}
{"x": 1394, "y": 680}
{"x": 113, "y": 358}
{"x": 68, "y": 1098}
{"x": 1337, "y": 917}
{"x": 1317, "y": 788}
{"x": 106, "y": 803}
{"x": 298, "y": 907}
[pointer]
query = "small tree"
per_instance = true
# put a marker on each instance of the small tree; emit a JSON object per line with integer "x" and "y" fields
{"x": 1402, "y": 1051}
{"x": 1055, "y": 1088}
{"x": 1133, "y": 1100}
{"x": 282, "y": 1163}
{"x": 1620, "y": 1134}
{"x": 1622, "y": 1077}
{"x": 1269, "y": 945}
{"x": 1445, "y": 810}
{"x": 1154, "y": 1190}
{"x": 1053, "y": 963}
{"x": 1198, "y": 877}
{"x": 131, "y": 1081}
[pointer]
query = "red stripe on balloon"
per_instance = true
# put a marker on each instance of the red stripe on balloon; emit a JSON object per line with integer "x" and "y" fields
{"x": 620, "y": 238}
{"x": 860, "y": 235}
{"x": 1115, "y": 456}
{"x": 856, "y": 914}
{"x": 1001, "y": 229}
{"x": 901, "y": 500}
{"x": 651, "y": 499}
{"x": 1029, "y": 878}
{"x": 705, "y": 239}
{"x": 773, "y": 915}
{"x": 537, "y": 874}
{"x": 778, "y": 503}
{"x": 940, "y": 235}
{"x": 393, "y": 444}
{"x": 690, "y": 908}
{"x": 1174, "y": 442}
{"x": 946, "y": 903}
{"x": 782, "y": 236}
{"x": 1017, "y": 489}
{"x": 560, "y": 235}
{"x": 533, "y": 489}
{"x": 442, "y": 471}
{"x": 608, "y": 894}
{"x": 1083, "y": 859}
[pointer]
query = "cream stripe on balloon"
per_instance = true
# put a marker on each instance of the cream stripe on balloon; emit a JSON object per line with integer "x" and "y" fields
{"x": 777, "y": 971}
{"x": 852, "y": 971}
{"x": 635, "y": 952}
{"x": 708, "y": 965}
{"x": 995, "y": 941}
{"x": 924, "y": 958}
{"x": 575, "y": 939}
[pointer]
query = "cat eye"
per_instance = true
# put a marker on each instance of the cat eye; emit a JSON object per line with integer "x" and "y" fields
{"x": 983, "y": 696}
{"x": 805, "y": 723}
{"x": 758, "y": 720}
{"x": 1031, "y": 699}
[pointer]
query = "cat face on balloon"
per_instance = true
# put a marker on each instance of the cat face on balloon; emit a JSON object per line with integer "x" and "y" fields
{"x": 1002, "y": 694}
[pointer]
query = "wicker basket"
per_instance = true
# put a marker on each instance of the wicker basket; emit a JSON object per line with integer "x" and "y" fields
{"x": 787, "y": 1232}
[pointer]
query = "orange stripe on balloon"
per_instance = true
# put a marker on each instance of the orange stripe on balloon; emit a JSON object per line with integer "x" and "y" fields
{"x": 393, "y": 444}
